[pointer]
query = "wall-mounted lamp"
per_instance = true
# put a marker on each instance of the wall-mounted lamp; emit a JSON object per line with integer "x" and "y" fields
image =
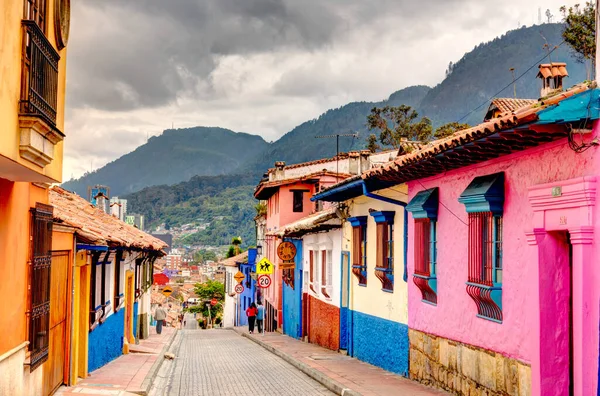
{"x": 259, "y": 250}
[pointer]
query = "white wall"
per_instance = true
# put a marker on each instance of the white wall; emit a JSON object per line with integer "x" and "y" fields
{"x": 229, "y": 309}
{"x": 328, "y": 241}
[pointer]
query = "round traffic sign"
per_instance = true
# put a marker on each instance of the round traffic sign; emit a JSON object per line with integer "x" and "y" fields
{"x": 213, "y": 302}
{"x": 264, "y": 281}
{"x": 239, "y": 288}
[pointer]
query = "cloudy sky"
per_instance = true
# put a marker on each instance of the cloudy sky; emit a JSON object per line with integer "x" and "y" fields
{"x": 137, "y": 67}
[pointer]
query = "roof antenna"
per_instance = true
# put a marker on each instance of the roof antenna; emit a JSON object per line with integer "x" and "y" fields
{"x": 512, "y": 69}
{"x": 337, "y": 145}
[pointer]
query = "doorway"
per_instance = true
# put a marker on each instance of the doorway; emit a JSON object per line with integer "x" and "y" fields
{"x": 55, "y": 370}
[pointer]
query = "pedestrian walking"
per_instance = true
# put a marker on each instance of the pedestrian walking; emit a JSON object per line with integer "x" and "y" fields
{"x": 251, "y": 314}
{"x": 260, "y": 317}
{"x": 160, "y": 315}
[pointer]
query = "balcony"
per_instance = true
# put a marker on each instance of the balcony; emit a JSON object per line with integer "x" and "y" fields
{"x": 39, "y": 97}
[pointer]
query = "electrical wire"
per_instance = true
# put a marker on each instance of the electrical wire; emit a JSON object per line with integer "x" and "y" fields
{"x": 511, "y": 83}
{"x": 447, "y": 208}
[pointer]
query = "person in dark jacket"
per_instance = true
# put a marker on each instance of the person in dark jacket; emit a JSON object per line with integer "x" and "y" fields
{"x": 251, "y": 314}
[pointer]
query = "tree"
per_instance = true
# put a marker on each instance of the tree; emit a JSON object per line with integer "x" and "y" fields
{"x": 206, "y": 292}
{"x": 549, "y": 16}
{"x": 580, "y": 30}
{"x": 405, "y": 125}
{"x": 448, "y": 129}
{"x": 372, "y": 144}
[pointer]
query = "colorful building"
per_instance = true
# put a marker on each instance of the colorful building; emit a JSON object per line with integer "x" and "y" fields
{"x": 311, "y": 290}
{"x": 504, "y": 292}
{"x": 32, "y": 101}
{"x": 373, "y": 290}
{"x": 112, "y": 275}
{"x": 287, "y": 191}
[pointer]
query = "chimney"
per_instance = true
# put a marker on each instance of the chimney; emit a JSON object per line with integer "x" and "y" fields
{"x": 552, "y": 75}
{"x": 365, "y": 162}
{"x": 353, "y": 163}
{"x": 279, "y": 170}
{"x": 101, "y": 202}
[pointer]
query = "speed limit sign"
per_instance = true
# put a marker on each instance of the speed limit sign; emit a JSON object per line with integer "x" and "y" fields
{"x": 264, "y": 281}
{"x": 239, "y": 288}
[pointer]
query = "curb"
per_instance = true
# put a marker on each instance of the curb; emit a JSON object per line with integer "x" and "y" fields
{"x": 318, "y": 376}
{"x": 147, "y": 382}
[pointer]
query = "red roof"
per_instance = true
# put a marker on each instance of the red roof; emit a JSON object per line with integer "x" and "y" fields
{"x": 92, "y": 225}
{"x": 267, "y": 188}
{"x": 426, "y": 162}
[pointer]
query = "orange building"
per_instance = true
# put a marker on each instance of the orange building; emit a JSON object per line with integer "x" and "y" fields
{"x": 33, "y": 36}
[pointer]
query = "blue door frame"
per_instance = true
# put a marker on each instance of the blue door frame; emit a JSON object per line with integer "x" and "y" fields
{"x": 292, "y": 298}
{"x": 346, "y": 323}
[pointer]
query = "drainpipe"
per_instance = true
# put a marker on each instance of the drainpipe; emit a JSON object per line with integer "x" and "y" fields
{"x": 366, "y": 193}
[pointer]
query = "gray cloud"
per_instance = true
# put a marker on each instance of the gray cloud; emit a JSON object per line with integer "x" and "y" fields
{"x": 261, "y": 66}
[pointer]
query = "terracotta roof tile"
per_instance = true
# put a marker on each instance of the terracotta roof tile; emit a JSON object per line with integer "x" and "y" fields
{"x": 555, "y": 69}
{"x": 508, "y": 120}
{"x": 95, "y": 226}
{"x": 320, "y": 221}
{"x": 265, "y": 185}
{"x": 232, "y": 261}
{"x": 511, "y": 104}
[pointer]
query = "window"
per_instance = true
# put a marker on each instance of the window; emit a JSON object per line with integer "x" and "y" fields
{"x": 424, "y": 209}
{"x": 359, "y": 248}
{"x": 384, "y": 266}
{"x": 39, "y": 80}
{"x": 484, "y": 200}
{"x": 96, "y": 285}
{"x": 314, "y": 276}
{"x": 35, "y": 10}
{"x": 326, "y": 270}
{"x": 119, "y": 292}
{"x": 298, "y": 200}
{"x": 39, "y": 316}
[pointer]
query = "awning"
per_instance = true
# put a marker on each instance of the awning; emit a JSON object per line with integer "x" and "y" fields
{"x": 485, "y": 194}
{"x": 424, "y": 204}
{"x": 318, "y": 222}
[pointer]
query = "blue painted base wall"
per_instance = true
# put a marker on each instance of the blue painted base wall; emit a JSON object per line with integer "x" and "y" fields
{"x": 343, "y": 328}
{"x": 106, "y": 341}
{"x": 380, "y": 342}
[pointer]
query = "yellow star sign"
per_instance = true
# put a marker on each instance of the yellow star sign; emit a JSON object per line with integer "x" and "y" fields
{"x": 264, "y": 266}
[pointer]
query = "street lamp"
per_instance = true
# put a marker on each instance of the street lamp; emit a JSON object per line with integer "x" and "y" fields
{"x": 259, "y": 250}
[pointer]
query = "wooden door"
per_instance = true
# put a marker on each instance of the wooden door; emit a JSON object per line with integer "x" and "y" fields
{"x": 54, "y": 368}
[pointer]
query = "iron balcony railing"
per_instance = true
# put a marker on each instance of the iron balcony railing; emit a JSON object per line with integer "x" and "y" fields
{"x": 39, "y": 87}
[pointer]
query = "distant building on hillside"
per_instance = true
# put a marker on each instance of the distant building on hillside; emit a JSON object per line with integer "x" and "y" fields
{"x": 118, "y": 208}
{"x": 166, "y": 238}
{"x": 136, "y": 220}
{"x": 174, "y": 261}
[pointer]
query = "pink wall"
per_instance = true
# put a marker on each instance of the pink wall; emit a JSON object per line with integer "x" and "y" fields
{"x": 455, "y": 315}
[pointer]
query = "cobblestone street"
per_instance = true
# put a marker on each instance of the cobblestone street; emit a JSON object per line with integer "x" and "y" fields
{"x": 220, "y": 362}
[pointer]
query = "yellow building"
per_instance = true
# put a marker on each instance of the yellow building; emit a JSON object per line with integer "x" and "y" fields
{"x": 33, "y": 36}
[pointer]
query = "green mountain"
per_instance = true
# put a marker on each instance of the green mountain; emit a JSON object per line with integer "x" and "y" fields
{"x": 174, "y": 156}
{"x": 226, "y": 202}
{"x": 301, "y": 144}
{"x": 485, "y": 72}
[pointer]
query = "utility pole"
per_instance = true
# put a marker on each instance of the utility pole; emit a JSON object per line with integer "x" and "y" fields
{"x": 337, "y": 144}
{"x": 512, "y": 70}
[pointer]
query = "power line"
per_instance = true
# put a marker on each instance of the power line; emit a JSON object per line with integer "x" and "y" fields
{"x": 447, "y": 208}
{"x": 511, "y": 83}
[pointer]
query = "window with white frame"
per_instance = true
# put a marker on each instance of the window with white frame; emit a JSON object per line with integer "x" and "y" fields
{"x": 326, "y": 273}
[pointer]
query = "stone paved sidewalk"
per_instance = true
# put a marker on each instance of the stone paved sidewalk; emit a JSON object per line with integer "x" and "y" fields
{"x": 349, "y": 374}
{"x": 126, "y": 374}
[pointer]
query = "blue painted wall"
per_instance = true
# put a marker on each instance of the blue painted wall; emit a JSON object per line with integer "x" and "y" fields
{"x": 248, "y": 296}
{"x": 380, "y": 342}
{"x": 344, "y": 328}
{"x": 106, "y": 341}
{"x": 292, "y": 298}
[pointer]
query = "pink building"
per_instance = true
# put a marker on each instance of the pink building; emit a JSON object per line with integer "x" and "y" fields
{"x": 287, "y": 191}
{"x": 504, "y": 252}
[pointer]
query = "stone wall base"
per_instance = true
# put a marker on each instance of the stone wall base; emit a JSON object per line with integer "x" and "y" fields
{"x": 464, "y": 369}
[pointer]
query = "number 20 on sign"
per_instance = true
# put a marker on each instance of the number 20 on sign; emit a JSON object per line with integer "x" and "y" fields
{"x": 264, "y": 281}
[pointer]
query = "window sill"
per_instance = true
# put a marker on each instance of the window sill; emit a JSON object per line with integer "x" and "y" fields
{"x": 360, "y": 271}
{"x": 428, "y": 286}
{"x": 488, "y": 299}
{"x": 386, "y": 277}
